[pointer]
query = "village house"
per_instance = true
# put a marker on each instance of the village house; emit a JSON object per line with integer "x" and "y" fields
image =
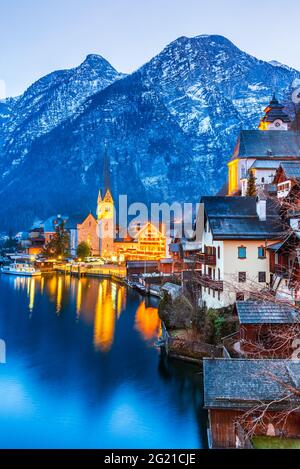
{"x": 284, "y": 255}
{"x": 234, "y": 233}
{"x": 261, "y": 151}
{"x": 244, "y": 396}
{"x": 266, "y": 329}
{"x": 41, "y": 233}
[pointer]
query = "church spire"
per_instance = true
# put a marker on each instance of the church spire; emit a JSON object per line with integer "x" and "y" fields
{"x": 106, "y": 169}
{"x": 275, "y": 117}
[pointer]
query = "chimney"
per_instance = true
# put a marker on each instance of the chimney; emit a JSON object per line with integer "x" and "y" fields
{"x": 261, "y": 205}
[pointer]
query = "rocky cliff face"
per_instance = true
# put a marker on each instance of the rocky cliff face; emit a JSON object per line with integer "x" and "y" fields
{"x": 170, "y": 127}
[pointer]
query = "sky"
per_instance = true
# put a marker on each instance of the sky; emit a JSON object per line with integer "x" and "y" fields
{"x": 40, "y": 36}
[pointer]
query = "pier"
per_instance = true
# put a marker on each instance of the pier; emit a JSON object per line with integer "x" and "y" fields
{"x": 113, "y": 272}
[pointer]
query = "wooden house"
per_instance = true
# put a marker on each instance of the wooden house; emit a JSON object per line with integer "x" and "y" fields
{"x": 238, "y": 392}
{"x": 265, "y": 330}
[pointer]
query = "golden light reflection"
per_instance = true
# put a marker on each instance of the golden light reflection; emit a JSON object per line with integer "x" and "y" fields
{"x": 31, "y": 285}
{"x": 52, "y": 286}
{"x": 121, "y": 300}
{"x": 105, "y": 318}
{"x": 79, "y": 297}
{"x": 147, "y": 321}
{"x": 59, "y": 294}
{"x": 42, "y": 284}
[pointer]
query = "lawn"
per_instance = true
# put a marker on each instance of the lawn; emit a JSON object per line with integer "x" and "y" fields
{"x": 271, "y": 442}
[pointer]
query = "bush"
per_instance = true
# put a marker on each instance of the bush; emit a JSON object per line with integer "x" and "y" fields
{"x": 218, "y": 324}
{"x": 177, "y": 314}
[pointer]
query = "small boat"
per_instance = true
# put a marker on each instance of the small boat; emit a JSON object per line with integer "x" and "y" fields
{"x": 155, "y": 291}
{"x": 21, "y": 270}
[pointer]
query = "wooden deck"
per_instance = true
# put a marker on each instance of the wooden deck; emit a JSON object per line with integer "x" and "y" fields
{"x": 117, "y": 273}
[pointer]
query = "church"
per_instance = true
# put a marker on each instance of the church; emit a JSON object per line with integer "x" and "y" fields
{"x": 147, "y": 241}
{"x": 261, "y": 151}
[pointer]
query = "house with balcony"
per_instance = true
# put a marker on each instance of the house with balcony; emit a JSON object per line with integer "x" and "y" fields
{"x": 287, "y": 181}
{"x": 284, "y": 258}
{"x": 234, "y": 233}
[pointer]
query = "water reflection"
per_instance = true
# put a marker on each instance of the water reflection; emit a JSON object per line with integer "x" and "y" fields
{"x": 101, "y": 306}
{"x": 105, "y": 317}
{"x": 147, "y": 321}
{"x": 82, "y": 370}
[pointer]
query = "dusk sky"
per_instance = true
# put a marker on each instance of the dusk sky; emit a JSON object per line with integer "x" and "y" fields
{"x": 38, "y": 37}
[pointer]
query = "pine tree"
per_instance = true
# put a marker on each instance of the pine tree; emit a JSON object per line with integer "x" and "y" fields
{"x": 59, "y": 244}
{"x": 251, "y": 187}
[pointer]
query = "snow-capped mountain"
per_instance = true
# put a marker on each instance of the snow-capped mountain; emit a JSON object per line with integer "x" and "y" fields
{"x": 171, "y": 127}
{"x": 54, "y": 98}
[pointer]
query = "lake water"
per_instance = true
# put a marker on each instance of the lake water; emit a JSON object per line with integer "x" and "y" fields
{"x": 82, "y": 370}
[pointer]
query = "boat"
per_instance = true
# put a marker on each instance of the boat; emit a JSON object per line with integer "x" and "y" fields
{"x": 21, "y": 269}
{"x": 154, "y": 290}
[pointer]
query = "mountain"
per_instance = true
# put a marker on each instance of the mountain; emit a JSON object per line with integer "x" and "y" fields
{"x": 170, "y": 126}
{"x": 53, "y": 99}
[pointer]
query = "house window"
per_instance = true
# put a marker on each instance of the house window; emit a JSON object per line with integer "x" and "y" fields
{"x": 262, "y": 180}
{"x": 219, "y": 274}
{"x": 219, "y": 252}
{"x": 261, "y": 252}
{"x": 242, "y": 277}
{"x": 242, "y": 252}
{"x": 219, "y": 295}
{"x": 262, "y": 277}
{"x": 240, "y": 296}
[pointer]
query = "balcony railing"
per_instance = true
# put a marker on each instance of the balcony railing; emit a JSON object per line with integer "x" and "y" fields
{"x": 207, "y": 259}
{"x": 206, "y": 281}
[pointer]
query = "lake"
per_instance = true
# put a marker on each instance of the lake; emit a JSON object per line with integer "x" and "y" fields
{"x": 82, "y": 370}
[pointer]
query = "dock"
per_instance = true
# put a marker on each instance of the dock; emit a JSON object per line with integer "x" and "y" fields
{"x": 112, "y": 272}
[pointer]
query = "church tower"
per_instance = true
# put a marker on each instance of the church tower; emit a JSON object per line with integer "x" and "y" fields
{"x": 106, "y": 213}
{"x": 275, "y": 118}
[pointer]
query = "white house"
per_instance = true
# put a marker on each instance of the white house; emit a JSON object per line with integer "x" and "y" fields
{"x": 235, "y": 232}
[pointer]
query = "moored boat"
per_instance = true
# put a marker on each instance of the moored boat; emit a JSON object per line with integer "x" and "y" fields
{"x": 21, "y": 269}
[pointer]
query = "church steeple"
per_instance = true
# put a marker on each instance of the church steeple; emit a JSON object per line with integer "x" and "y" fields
{"x": 275, "y": 118}
{"x": 105, "y": 204}
{"x": 106, "y": 170}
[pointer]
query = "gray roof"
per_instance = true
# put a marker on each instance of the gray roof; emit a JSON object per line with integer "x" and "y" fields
{"x": 238, "y": 383}
{"x": 291, "y": 169}
{"x": 265, "y": 164}
{"x": 268, "y": 143}
{"x": 264, "y": 312}
{"x": 236, "y": 218}
{"x": 276, "y": 246}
